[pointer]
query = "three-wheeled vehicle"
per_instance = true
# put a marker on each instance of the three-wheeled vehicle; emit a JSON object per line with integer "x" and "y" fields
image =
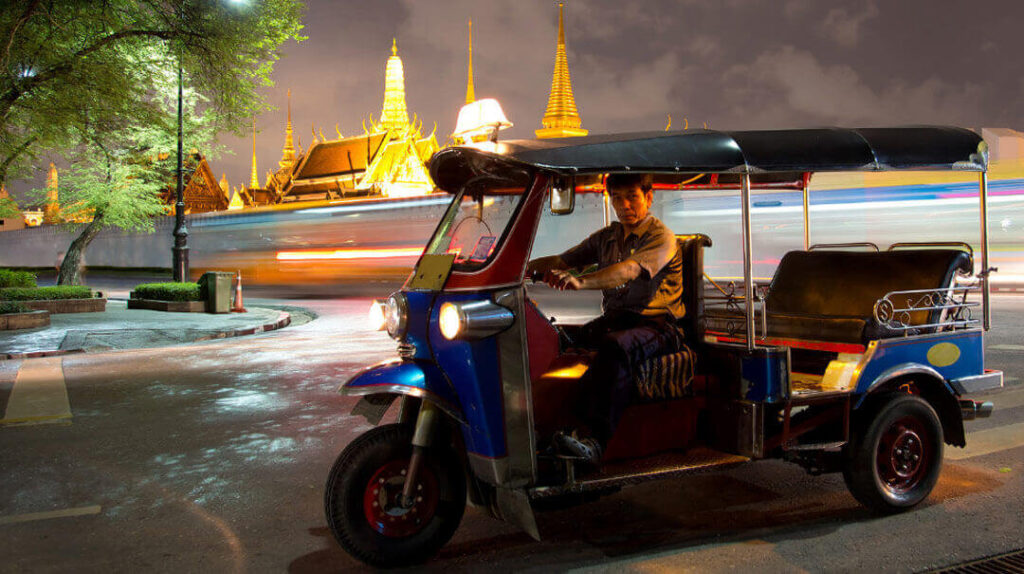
{"x": 851, "y": 360}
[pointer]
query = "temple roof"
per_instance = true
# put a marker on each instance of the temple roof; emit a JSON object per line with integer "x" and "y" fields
{"x": 340, "y": 157}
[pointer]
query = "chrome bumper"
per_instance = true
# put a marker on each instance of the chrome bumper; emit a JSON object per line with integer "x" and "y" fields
{"x": 987, "y": 381}
{"x": 975, "y": 410}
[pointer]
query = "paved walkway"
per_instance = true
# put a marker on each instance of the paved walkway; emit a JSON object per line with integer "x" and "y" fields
{"x": 122, "y": 328}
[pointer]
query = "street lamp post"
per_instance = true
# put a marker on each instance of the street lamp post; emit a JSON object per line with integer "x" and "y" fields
{"x": 180, "y": 249}
{"x": 179, "y": 259}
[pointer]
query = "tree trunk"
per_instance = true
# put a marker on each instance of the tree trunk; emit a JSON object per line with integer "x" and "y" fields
{"x": 71, "y": 267}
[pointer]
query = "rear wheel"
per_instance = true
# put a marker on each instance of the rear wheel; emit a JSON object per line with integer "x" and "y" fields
{"x": 361, "y": 499}
{"x": 894, "y": 461}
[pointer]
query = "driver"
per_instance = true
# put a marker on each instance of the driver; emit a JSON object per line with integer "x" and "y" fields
{"x": 639, "y": 272}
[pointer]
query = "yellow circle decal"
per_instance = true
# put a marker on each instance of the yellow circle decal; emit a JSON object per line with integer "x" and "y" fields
{"x": 943, "y": 354}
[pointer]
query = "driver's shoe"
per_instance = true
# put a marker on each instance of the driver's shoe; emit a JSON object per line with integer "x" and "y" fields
{"x": 588, "y": 450}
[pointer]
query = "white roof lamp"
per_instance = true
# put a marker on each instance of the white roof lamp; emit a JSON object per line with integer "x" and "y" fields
{"x": 479, "y": 123}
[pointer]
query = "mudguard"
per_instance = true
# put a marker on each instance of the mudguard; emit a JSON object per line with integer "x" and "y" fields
{"x": 399, "y": 377}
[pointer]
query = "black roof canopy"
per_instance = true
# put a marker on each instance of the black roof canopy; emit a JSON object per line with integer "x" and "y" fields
{"x": 735, "y": 152}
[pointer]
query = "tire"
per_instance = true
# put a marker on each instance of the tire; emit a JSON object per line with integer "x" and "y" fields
{"x": 895, "y": 461}
{"x": 360, "y": 499}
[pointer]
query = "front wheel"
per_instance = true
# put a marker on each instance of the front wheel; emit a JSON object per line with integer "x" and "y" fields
{"x": 361, "y": 499}
{"x": 894, "y": 462}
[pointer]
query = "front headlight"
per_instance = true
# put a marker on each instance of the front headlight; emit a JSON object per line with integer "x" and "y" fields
{"x": 473, "y": 320}
{"x": 376, "y": 318}
{"x": 450, "y": 321}
{"x": 396, "y": 314}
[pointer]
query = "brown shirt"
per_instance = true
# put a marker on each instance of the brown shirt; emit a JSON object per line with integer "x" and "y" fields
{"x": 658, "y": 290}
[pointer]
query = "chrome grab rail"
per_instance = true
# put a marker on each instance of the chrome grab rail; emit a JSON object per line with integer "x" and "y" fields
{"x": 894, "y": 309}
{"x": 867, "y": 244}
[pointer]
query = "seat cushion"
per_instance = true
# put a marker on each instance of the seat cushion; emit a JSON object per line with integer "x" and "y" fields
{"x": 666, "y": 377}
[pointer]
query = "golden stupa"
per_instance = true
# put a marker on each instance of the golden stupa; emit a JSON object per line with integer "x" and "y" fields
{"x": 561, "y": 120}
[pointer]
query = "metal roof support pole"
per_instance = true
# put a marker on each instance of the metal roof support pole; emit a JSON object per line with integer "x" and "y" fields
{"x": 748, "y": 277}
{"x": 606, "y": 203}
{"x": 983, "y": 193}
{"x": 807, "y": 216}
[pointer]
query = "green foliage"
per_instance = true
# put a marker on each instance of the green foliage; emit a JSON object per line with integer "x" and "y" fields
{"x": 47, "y": 293}
{"x": 8, "y": 208}
{"x": 73, "y": 67}
{"x": 12, "y": 307}
{"x": 10, "y": 278}
{"x": 168, "y": 291}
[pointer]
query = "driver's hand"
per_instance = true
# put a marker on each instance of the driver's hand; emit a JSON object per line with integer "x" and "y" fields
{"x": 562, "y": 280}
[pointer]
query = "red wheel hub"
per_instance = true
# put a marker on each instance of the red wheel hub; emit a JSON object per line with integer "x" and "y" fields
{"x": 904, "y": 455}
{"x": 383, "y": 506}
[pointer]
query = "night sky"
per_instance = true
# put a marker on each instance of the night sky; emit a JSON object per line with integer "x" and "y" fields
{"x": 736, "y": 64}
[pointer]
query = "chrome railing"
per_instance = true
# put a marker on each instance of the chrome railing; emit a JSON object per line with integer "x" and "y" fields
{"x": 896, "y": 309}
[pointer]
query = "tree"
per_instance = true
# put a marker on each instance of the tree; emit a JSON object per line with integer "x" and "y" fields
{"x": 67, "y": 66}
{"x": 119, "y": 170}
{"x": 8, "y": 208}
{"x": 94, "y": 81}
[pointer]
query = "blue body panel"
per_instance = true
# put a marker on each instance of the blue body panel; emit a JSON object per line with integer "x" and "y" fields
{"x": 765, "y": 375}
{"x": 475, "y": 375}
{"x": 420, "y": 377}
{"x": 465, "y": 375}
{"x": 952, "y": 355}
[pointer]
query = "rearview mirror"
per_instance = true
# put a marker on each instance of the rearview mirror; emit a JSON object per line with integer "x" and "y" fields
{"x": 563, "y": 195}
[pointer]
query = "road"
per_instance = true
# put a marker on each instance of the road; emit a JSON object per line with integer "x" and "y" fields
{"x": 212, "y": 456}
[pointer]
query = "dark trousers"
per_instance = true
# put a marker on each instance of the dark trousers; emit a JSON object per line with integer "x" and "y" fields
{"x": 623, "y": 342}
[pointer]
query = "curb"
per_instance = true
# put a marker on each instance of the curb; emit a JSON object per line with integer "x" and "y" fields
{"x": 283, "y": 320}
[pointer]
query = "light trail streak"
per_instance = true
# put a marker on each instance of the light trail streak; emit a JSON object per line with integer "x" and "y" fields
{"x": 344, "y": 254}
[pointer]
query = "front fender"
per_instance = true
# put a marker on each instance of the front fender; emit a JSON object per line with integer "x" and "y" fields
{"x": 414, "y": 378}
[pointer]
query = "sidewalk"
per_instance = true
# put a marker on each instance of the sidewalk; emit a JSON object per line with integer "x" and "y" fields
{"x": 120, "y": 328}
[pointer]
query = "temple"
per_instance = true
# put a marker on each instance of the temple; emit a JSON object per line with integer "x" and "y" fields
{"x": 561, "y": 120}
{"x": 387, "y": 160}
{"x": 201, "y": 190}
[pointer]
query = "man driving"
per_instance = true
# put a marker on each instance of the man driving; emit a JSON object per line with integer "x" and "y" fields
{"x": 639, "y": 272}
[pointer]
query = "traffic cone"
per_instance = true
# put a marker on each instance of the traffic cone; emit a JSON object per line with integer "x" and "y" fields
{"x": 237, "y": 306}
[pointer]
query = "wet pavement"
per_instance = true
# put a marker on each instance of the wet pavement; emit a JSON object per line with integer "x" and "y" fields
{"x": 212, "y": 456}
{"x": 121, "y": 328}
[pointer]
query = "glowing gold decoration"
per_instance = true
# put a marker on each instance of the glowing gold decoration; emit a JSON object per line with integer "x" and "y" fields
{"x": 561, "y": 119}
{"x": 51, "y": 211}
{"x": 394, "y": 115}
{"x": 254, "y": 179}
{"x": 470, "y": 93}
{"x": 288, "y": 153}
{"x": 236, "y": 201}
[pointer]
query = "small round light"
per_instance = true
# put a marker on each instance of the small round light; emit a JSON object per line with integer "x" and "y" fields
{"x": 395, "y": 315}
{"x": 450, "y": 321}
{"x": 375, "y": 318}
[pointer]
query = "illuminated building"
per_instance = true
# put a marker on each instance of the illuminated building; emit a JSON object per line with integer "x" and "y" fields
{"x": 387, "y": 160}
{"x": 202, "y": 191}
{"x": 561, "y": 120}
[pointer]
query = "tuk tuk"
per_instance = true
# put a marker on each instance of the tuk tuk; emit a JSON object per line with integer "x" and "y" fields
{"x": 853, "y": 359}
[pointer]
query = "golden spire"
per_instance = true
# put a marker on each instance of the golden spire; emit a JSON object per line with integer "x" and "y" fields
{"x": 394, "y": 115}
{"x": 223, "y": 183}
{"x": 254, "y": 179}
{"x": 52, "y": 207}
{"x": 561, "y": 118}
{"x": 470, "y": 95}
{"x": 288, "y": 153}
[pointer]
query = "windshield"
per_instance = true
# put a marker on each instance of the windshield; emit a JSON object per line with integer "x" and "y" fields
{"x": 475, "y": 224}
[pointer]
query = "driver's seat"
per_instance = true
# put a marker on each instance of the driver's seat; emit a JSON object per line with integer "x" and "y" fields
{"x": 669, "y": 376}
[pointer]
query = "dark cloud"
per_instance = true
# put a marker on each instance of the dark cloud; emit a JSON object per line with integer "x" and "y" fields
{"x": 733, "y": 63}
